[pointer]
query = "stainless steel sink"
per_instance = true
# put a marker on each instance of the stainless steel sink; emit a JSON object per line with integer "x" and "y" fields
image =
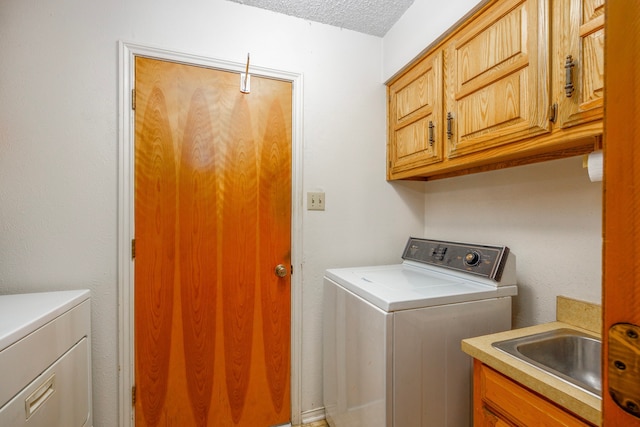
{"x": 564, "y": 353}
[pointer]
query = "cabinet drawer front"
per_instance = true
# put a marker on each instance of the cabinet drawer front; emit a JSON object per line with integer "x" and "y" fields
{"x": 519, "y": 405}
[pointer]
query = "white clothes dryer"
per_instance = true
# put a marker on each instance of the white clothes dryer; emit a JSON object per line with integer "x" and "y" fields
{"x": 392, "y": 333}
{"x": 45, "y": 359}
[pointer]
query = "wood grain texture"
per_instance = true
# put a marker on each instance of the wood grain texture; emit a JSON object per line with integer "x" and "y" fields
{"x": 499, "y": 104}
{"x": 592, "y": 9}
{"x": 215, "y": 194}
{"x": 239, "y": 249}
{"x": 624, "y": 366}
{"x": 621, "y": 270}
{"x": 155, "y": 217}
{"x": 498, "y": 45}
{"x": 416, "y": 95}
{"x": 275, "y": 237}
{"x": 579, "y": 32}
{"x": 514, "y": 404}
{"x": 500, "y": 66}
{"x": 198, "y": 252}
{"x": 415, "y": 103}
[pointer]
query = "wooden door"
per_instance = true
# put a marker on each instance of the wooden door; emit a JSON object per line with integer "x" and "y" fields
{"x": 415, "y": 118}
{"x": 579, "y": 33}
{"x": 621, "y": 291}
{"x": 212, "y": 222}
{"x": 499, "y": 87}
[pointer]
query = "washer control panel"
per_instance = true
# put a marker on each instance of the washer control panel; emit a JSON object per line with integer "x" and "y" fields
{"x": 483, "y": 260}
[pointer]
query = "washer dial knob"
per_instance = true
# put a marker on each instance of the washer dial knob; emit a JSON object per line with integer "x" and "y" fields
{"x": 472, "y": 258}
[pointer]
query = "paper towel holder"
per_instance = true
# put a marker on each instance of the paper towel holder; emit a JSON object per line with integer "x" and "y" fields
{"x": 594, "y": 163}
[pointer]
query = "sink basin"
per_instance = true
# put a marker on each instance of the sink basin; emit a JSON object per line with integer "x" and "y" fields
{"x": 567, "y": 354}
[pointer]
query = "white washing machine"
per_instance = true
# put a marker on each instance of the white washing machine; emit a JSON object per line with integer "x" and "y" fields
{"x": 45, "y": 359}
{"x": 392, "y": 333}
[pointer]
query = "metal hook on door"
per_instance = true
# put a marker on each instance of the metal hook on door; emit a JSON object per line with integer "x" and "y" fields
{"x": 245, "y": 79}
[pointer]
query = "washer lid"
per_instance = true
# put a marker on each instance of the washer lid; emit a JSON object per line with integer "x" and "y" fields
{"x": 408, "y": 286}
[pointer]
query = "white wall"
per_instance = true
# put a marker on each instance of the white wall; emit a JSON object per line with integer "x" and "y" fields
{"x": 419, "y": 26}
{"x": 549, "y": 214}
{"x": 59, "y": 136}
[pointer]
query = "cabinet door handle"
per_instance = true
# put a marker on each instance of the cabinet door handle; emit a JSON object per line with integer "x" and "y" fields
{"x": 568, "y": 83}
{"x": 431, "y": 138}
{"x": 449, "y": 125}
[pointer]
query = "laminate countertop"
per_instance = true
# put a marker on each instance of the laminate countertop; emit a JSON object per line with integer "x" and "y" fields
{"x": 573, "y": 399}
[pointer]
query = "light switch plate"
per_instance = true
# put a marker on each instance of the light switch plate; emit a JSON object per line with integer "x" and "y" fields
{"x": 315, "y": 201}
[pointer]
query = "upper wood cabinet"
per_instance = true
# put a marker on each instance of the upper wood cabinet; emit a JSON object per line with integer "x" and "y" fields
{"x": 579, "y": 74}
{"x": 491, "y": 93}
{"x": 499, "y": 71}
{"x": 415, "y": 113}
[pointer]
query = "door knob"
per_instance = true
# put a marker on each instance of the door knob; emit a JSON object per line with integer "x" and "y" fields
{"x": 281, "y": 270}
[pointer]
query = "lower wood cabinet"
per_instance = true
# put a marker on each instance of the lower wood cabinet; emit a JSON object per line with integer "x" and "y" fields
{"x": 500, "y": 401}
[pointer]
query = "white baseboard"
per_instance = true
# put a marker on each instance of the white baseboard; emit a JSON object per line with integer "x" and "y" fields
{"x": 313, "y": 415}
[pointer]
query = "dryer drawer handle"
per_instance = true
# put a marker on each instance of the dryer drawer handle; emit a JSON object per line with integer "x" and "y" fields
{"x": 40, "y": 396}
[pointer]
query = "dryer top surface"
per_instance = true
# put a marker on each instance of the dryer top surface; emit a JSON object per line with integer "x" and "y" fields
{"x": 21, "y": 314}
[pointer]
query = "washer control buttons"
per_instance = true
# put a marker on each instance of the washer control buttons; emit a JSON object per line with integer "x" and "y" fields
{"x": 439, "y": 252}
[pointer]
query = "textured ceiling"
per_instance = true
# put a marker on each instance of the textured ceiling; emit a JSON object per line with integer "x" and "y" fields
{"x": 373, "y": 17}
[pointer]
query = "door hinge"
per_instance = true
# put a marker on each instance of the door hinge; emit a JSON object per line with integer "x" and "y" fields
{"x": 622, "y": 361}
{"x": 133, "y": 99}
{"x": 133, "y": 395}
{"x": 133, "y": 248}
{"x": 553, "y": 113}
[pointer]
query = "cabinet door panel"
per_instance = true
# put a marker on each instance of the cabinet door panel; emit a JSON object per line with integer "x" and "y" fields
{"x": 490, "y": 51}
{"x": 416, "y": 95}
{"x": 412, "y": 140}
{"x": 500, "y": 74}
{"x": 497, "y": 105}
{"x": 518, "y": 405}
{"x": 585, "y": 44}
{"x": 415, "y": 103}
{"x": 593, "y": 71}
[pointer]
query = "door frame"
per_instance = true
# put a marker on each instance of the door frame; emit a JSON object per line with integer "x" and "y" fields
{"x": 126, "y": 77}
